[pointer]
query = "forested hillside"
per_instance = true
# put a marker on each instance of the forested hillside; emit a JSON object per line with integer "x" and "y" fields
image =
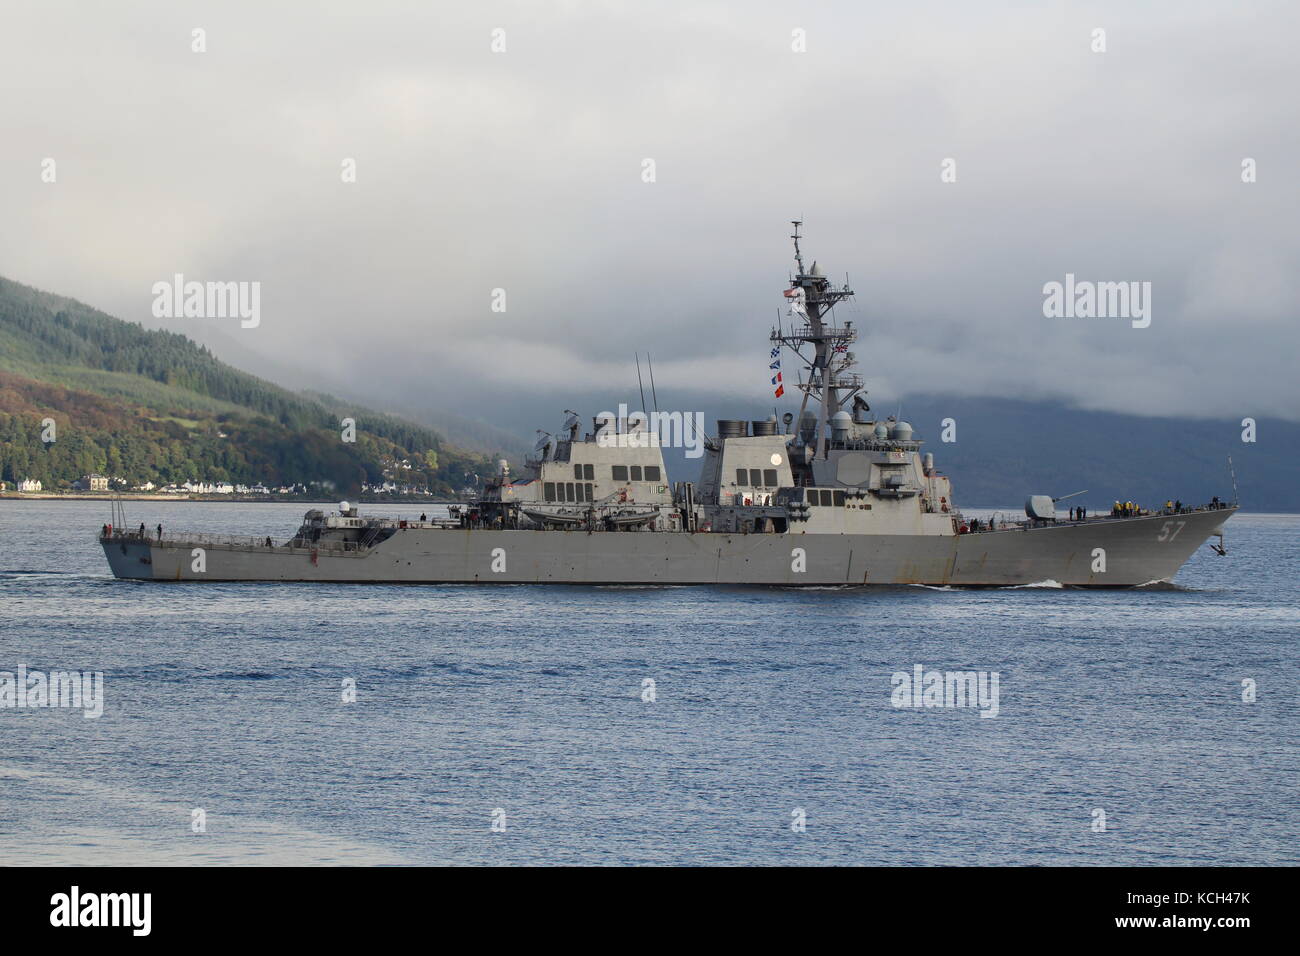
{"x": 153, "y": 406}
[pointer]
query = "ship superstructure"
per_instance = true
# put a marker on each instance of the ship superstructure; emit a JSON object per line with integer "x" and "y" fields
{"x": 831, "y": 495}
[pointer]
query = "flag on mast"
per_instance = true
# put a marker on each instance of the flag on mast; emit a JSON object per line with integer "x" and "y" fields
{"x": 797, "y": 301}
{"x": 797, "y": 307}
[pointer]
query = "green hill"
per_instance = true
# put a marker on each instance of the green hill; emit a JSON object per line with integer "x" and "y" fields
{"x": 154, "y": 406}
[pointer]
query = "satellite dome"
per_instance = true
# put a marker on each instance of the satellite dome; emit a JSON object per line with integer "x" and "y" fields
{"x": 882, "y": 430}
{"x": 901, "y": 432}
{"x": 841, "y": 423}
{"x": 816, "y": 270}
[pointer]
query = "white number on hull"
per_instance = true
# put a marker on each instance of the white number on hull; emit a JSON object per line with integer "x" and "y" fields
{"x": 1165, "y": 535}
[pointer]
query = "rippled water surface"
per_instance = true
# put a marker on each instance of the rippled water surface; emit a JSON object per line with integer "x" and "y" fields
{"x": 528, "y": 700}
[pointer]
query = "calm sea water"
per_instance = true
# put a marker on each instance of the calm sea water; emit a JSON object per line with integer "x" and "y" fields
{"x": 528, "y": 700}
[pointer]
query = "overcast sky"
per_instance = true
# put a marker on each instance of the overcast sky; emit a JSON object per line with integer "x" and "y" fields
{"x": 523, "y": 170}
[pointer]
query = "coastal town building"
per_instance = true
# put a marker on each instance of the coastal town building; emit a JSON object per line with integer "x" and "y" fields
{"x": 393, "y": 488}
{"x": 101, "y": 483}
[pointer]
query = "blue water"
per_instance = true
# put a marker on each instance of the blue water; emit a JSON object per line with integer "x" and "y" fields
{"x": 528, "y": 699}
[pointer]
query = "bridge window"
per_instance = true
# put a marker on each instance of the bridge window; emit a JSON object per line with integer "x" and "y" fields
{"x": 839, "y": 499}
{"x": 586, "y": 491}
{"x": 651, "y": 472}
{"x": 589, "y": 472}
{"x": 636, "y": 472}
{"x": 620, "y": 472}
{"x": 769, "y": 477}
{"x": 577, "y": 471}
{"x": 568, "y": 491}
{"x": 742, "y": 476}
{"x": 827, "y": 498}
{"x": 548, "y": 491}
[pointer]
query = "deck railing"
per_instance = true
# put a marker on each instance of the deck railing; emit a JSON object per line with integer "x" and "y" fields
{"x": 241, "y": 542}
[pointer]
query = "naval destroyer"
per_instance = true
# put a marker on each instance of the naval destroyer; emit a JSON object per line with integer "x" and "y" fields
{"x": 830, "y": 496}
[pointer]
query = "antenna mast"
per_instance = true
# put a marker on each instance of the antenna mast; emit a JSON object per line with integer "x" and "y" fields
{"x": 830, "y": 384}
{"x": 654, "y": 397}
{"x": 638, "y": 381}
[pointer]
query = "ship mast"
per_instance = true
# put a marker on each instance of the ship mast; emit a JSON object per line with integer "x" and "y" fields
{"x": 829, "y": 384}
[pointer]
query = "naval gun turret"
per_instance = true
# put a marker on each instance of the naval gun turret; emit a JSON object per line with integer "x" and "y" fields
{"x": 1043, "y": 507}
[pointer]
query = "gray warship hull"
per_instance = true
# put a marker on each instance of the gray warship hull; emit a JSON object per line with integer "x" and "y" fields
{"x": 838, "y": 497}
{"x": 1098, "y": 552}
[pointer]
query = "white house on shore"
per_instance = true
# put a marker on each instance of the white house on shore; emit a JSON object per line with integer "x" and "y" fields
{"x": 29, "y": 484}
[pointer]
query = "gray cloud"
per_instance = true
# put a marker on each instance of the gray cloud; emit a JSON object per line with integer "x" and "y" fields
{"x": 522, "y": 171}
